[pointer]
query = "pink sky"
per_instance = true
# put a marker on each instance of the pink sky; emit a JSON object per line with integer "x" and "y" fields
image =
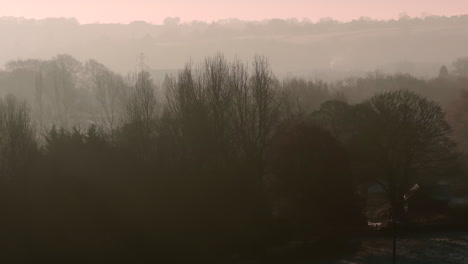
{"x": 154, "y": 11}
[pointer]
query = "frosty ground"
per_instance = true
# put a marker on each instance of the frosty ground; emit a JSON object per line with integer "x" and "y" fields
{"x": 428, "y": 248}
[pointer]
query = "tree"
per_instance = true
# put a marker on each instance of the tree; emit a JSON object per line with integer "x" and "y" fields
{"x": 31, "y": 65}
{"x": 141, "y": 116}
{"x": 461, "y": 66}
{"x": 265, "y": 105}
{"x": 256, "y": 115}
{"x": 184, "y": 103}
{"x": 217, "y": 95}
{"x": 405, "y": 139}
{"x": 142, "y": 105}
{"x": 311, "y": 182}
{"x": 225, "y": 106}
{"x": 303, "y": 97}
{"x": 217, "y": 121}
{"x": 336, "y": 117}
{"x": 457, "y": 116}
{"x": 17, "y": 138}
{"x": 39, "y": 93}
{"x": 109, "y": 89}
{"x": 63, "y": 70}
{"x": 443, "y": 73}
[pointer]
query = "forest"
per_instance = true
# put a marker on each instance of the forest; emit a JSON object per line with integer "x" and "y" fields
{"x": 221, "y": 162}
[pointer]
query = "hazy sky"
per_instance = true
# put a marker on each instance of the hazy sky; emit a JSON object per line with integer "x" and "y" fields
{"x": 154, "y": 11}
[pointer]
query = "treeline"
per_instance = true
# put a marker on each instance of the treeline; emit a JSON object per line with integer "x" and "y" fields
{"x": 229, "y": 165}
{"x": 236, "y": 26}
{"x": 65, "y": 92}
{"x": 329, "y": 49}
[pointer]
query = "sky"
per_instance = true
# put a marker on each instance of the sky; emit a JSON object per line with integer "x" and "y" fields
{"x": 155, "y": 11}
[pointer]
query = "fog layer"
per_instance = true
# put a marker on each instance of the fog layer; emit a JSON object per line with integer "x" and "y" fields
{"x": 328, "y": 50}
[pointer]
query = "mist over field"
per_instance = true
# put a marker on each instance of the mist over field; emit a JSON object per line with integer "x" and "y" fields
{"x": 327, "y": 49}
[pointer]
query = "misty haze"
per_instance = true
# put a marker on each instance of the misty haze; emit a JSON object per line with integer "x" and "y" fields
{"x": 327, "y": 49}
{"x": 331, "y": 132}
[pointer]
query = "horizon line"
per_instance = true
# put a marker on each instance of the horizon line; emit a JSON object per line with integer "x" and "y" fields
{"x": 179, "y": 21}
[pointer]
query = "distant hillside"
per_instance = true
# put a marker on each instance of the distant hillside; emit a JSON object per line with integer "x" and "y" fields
{"x": 328, "y": 49}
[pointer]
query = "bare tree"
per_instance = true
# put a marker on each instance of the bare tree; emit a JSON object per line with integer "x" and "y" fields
{"x": 184, "y": 100}
{"x": 301, "y": 97}
{"x": 213, "y": 80}
{"x": 17, "y": 137}
{"x": 64, "y": 70}
{"x": 458, "y": 119}
{"x": 109, "y": 89}
{"x": 224, "y": 106}
{"x": 142, "y": 104}
{"x": 39, "y": 97}
{"x": 265, "y": 106}
{"x": 243, "y": 115}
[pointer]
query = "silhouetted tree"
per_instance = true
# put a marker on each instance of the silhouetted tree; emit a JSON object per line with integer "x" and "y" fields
{"x": 109, "y": 93}
{"x": 457, "y": 116}
{"x": 406, "y": 140}
{"x": 17, "y": 138}
{"x": 18, "y": 154}
{"x": 461, "y": 66}
{"x": 443, "y": 73}
{"x": 359, "y": 89}
{"x": 311, "y": 182}
{"x": 336, "y": 117}
{"x": 219, "y": 119}
{"x": 63, "y": 73}
{"x": 302, "y": 98}
{"x": 141, "y": 116}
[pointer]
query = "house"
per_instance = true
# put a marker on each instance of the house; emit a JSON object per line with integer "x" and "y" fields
{"x": 433, "y": 198}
